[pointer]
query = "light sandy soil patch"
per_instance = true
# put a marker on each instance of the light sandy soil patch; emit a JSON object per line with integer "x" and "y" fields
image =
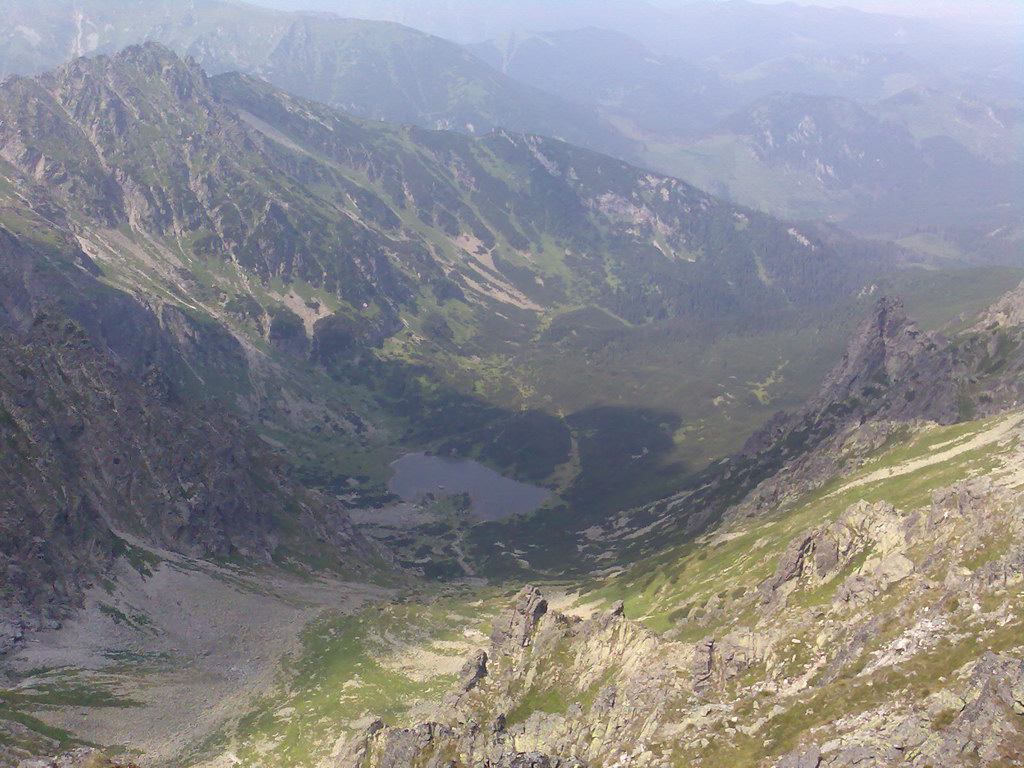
{"x": 568, "y": 603}
{"x": 500, "y": 290}
{"x": 309, "y": 315}
{"x": 423, "y": 664}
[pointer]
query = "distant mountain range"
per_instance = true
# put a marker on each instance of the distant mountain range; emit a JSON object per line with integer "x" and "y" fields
{"x": 829, "y": 158}
{"x": 377, "y": 70}
{"x": 876, "y": 140}
{"x": 667, "y": 90}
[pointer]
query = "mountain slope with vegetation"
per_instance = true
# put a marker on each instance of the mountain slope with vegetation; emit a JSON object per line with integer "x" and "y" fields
{"x": 858, "y": 601}
{"x": 395, "y": 286}
{"x": 102, "y": 450}
{"x": 810, "y": 126}
{"x": 859, "y": 604}
{"x": 224, "y": 309}
{"x": 681, "y": 101}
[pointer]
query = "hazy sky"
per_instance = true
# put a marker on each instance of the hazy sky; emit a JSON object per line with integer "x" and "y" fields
{"x": 981, "y": 11}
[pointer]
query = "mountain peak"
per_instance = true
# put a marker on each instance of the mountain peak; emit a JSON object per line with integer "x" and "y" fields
{"x": 151, "y": 59}
{"x": 880, "y": 353}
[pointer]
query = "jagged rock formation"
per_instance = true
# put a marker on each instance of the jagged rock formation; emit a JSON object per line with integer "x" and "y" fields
{"x": 607, "y": 691}
{"x": 891, "y": 371}
{"x": 892, "y": 374}
{"x": 516, "y": 627}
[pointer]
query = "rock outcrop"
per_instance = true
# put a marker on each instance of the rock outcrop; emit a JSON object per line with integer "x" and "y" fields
{"x": 875, "y": 605}
{"x": 516, "y": 627}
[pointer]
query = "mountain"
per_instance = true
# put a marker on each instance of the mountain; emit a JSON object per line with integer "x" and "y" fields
{"x": 377, "y": 70}
{"x": 655, "y": 95}
{"x": 892, "y": 373}
{"x": 831, "y": 158}
{"x": 463, "y": 21}
{"x": 758, "y": 49}
{"x": 669, "y": 102}
{"x": 191, "y": 264}
{"x": 813, "y": 623}
{"x": 226, "y": 309}
{"x": 856, "y": 602}
{"x": 103, "y": 451}
{"x": 865, "y": 137}
{"x": 989, "y": 127}
{"x": 736, "y": 37}
{"x": 418, "y": 288}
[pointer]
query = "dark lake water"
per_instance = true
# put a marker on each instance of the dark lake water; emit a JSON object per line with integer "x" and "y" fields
{"x": 493, "y": 495}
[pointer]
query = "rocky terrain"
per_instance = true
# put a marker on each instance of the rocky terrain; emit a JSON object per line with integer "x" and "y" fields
{"x": 887, "y": 636}
{"x": 102, "y": 448}
{"x": 859, "y": 608}
{"x": 859, "y": 605}
{"x": 225, "y": 309}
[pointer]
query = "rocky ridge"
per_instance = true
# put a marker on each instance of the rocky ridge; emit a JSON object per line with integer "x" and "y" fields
{"x": 892, "y": 375}
{"x": 911, "y": 656}
{"x": 861, "y": 606}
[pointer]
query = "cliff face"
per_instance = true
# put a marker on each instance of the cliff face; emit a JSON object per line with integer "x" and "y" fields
{"x": 891, "y": 370}
{"x": 94, "y": 458}
{"x": 102, "y": 448}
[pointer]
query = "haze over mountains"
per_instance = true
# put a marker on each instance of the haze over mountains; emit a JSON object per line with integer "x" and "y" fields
{"x": 644, "y": 257}
{"x": 668, "y": 89}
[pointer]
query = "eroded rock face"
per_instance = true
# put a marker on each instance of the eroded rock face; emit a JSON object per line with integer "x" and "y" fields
{"x": 819, "y": 556}
{"x": 982, "y": 724}
{"x": 92, "y": 457}
{"x": 474, "y": 670}
{"x": 515, "y": 627}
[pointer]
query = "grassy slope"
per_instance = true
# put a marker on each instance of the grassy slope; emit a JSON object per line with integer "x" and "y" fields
{"x": 671, "y": 585}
